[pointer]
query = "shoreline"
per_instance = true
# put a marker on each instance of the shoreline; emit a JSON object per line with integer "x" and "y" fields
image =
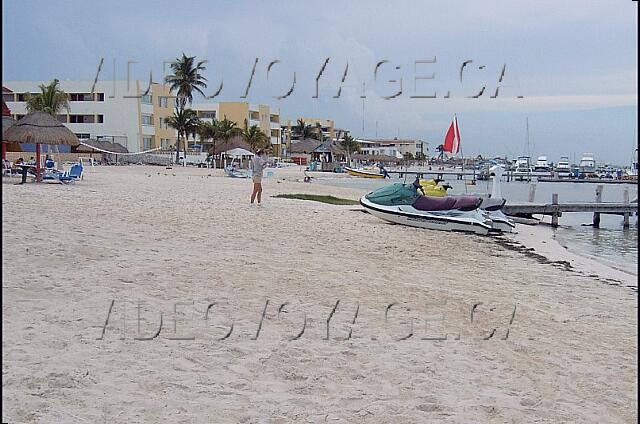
{"x": 542, "y": 239}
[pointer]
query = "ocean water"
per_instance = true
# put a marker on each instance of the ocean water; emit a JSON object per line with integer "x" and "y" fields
{"x": 609, "y": 243}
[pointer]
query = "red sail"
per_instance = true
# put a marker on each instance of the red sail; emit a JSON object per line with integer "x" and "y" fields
{"x": 452, "y": 139}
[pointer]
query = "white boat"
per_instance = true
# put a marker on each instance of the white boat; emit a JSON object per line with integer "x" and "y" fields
{"x": 563, "y": 167}
{"x": 587, "y": 164}
{"x": 541, "y": 164}
{"x": 605, "y": 171}
{"x": 633, "y": 171}
{"x": 523, "y": 164}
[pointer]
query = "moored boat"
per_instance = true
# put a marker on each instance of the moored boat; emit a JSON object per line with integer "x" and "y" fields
{"x": 587, "y": 164}
{"x": 364, "y": 173}
{"x": 541, "y": 164}
{"x": 563, "y": 167}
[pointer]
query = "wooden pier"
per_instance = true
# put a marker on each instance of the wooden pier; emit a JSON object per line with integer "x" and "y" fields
{"x": 586, "y": 180}
{"x": 476, "y": 174}
{"x": 555, "y": 209}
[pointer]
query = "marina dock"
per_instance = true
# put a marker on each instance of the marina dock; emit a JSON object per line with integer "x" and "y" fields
{"x": 543, "y": 177}
{"x": 586, "y": 180}
{"x": 476, "y": 174}
{"x": 555, "y": 209}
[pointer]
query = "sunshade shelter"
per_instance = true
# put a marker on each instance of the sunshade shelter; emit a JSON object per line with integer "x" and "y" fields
{"x": 237, "y": 153}
{"x": 106, "y": 148}
{"x": 40, "y": 128}
{"x": 229, "y": 144}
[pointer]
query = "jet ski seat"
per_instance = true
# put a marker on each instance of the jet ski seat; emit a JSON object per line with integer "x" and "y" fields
{"x": 462, "y": 203}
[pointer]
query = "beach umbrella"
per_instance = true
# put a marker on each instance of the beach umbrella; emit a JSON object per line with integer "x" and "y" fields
{"x": 40, "y": 128}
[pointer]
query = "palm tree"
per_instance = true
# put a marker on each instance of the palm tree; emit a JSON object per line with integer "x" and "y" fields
{"x": 350, "y": 144}
{"x": 304, "y": 131}
{"x": 256, "y": 138}
{"x": 220, "y": 131}
{"x": 186, "y": 79}
{"x": 207, "y": 131}
{"x": 185, "y": 122}
{"x": 51, "y": 99}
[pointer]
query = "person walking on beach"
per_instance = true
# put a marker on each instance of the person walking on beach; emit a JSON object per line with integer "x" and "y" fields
{"x": 258, "y": 163}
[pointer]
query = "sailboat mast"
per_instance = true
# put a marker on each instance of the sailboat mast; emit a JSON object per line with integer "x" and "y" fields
{"x": 527, "y": 151}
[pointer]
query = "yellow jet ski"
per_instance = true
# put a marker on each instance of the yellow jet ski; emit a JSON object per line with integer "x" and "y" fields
{"x": 433, "y": 188}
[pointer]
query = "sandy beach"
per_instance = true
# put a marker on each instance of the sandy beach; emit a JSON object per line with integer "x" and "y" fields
{"x": 145, "y": 294}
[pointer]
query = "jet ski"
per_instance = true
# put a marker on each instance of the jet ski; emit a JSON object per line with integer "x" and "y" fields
{"x": 403, "y": 204}
{"x": 491, "y": 204}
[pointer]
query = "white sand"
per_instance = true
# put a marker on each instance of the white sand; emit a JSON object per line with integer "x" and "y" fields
{"x": 156, "y": 236}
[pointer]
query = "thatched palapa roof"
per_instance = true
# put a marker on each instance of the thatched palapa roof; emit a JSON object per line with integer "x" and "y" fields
{"x": 7, "y": 119}
{"x": 42, "y": 128}
{"x": 234, "y": 142}
{"x": 306, "y": 146}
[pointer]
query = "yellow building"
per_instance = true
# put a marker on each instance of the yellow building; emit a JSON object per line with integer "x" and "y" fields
{"x": 245, "y": 113}
{"x": 163, "y": 106}
{"x": 326, "y": 126}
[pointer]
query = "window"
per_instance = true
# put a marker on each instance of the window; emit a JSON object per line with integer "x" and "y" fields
{"x": 274, "y": 133}
{"x": 7, "y": 97}
{"x": 254, "y": 115}
{"x": 209, "y": 115}
{"x": 22, "y": 97}
{"x": 100, "y": 119}
{"x": 163, "y": 101}
{"x": 146, "y": 143}
{"x": 81, "y": 97}
{"x": 82, "y": 119}
{"x": 83, "y": 136}
{"x": 275, "y": 119}
{"x": 146, "y": 99}
{"x": 147, "y": 120}
{"x": 100, "y": 97}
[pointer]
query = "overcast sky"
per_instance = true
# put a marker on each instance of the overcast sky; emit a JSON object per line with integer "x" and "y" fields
{"x": 575, "y": 62}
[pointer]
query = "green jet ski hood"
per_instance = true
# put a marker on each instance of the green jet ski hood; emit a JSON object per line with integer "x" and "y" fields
{"x": 394, "y": 194}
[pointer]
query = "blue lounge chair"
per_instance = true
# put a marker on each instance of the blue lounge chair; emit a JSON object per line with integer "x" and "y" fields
{"x": 75, "y": 173}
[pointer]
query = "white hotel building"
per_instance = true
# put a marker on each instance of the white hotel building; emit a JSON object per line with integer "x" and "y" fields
{"x": 123, "y": 112}
{"x": 117, "y": 110}
{"x": 393, "y": 147}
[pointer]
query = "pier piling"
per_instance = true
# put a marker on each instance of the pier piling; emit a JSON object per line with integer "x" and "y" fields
{"x": 556, "y": 214}
{"x": 625, "y": 200}
{"x": 596, "y": 215}
{"x": 532, "y": 193}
